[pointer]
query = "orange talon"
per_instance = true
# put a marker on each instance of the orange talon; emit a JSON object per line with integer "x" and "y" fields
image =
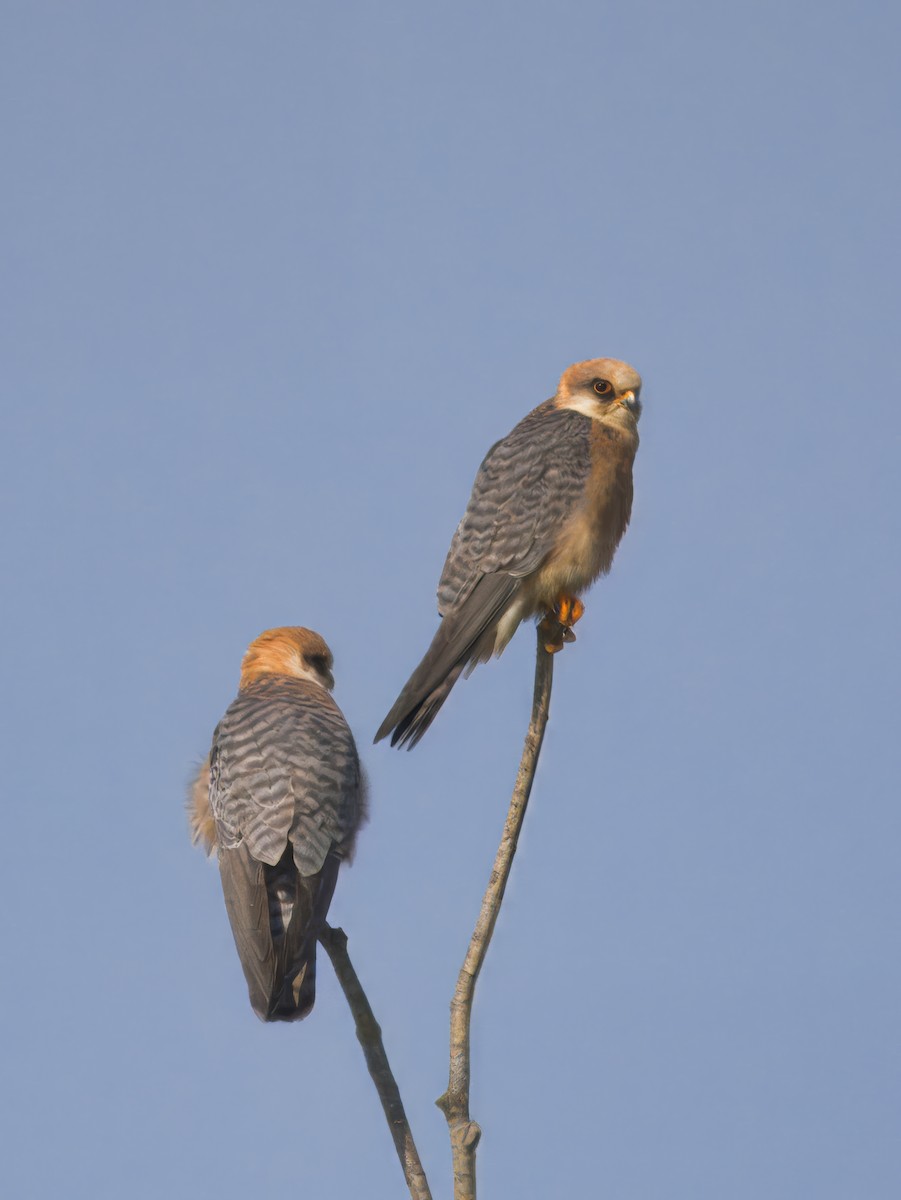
{"x": 556, "y": 626}
{"x": 568, "y": 610}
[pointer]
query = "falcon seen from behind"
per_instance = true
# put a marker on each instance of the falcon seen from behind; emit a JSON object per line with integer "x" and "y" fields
{"x": 280, "y": 798}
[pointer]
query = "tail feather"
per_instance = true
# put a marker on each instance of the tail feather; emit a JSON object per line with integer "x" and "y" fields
{"x": 459, "y": 643}
{"x": 415, "y": 721}
{"x": 298, "y": 952}
{"x": 276, "y": 916}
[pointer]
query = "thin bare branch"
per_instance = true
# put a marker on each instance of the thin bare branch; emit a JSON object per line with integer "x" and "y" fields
{"x": 464, "y": 1132}
{"x": 369, "y": 1035}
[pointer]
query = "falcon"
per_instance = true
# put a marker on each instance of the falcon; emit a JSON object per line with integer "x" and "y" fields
{"x": 549, "y": 506}
{"x": 280, "y": 799}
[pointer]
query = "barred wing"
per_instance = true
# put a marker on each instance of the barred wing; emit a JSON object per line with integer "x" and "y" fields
{"x": 526, "y": 487}
{"x": 284, "y": 764}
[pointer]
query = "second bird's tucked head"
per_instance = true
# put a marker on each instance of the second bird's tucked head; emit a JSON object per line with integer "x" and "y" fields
{"x": 290, "y": 650}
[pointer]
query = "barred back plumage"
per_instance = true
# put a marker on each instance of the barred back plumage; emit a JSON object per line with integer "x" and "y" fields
{"x": 284, "y": 763}
{"x": 288, "y": 796}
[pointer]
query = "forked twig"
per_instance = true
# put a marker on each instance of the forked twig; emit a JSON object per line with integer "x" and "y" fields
{"x": 464, "y": 1132}
{"x": 369, "y": 1035}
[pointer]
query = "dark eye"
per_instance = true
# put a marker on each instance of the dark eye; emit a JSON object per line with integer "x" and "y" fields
{"x": 319, "y": 663}
{"x": 603, "y": 387}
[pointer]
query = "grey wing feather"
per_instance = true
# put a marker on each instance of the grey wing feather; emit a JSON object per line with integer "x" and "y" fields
{"x": 247, "y": 903}
{"x": 276, "y": 916}
{"x": 284, "y": 764}
{"x": 287, "y": 796}
{"x": 527, "y": 485}
{"x": 337, "y": 775}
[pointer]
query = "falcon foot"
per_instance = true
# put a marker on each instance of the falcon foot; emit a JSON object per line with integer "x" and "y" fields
{"x": 568, "y": 610}
{"x": 556, "y": 626}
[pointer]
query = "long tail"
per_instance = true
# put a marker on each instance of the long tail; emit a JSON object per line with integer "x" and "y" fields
{"x": 276, "y": 917}
{"x": 460, "y": 641}
{"x": 296, "y": 950}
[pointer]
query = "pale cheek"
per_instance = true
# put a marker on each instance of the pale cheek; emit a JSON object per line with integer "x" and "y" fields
{"x": 584, "y": 405}
{"x": 608, "y": 414}
{"x": 302, "y": 671}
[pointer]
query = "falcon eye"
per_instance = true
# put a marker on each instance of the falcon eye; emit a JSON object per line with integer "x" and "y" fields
{"x": 318, "y": 663}
{"x": 603, "y": 387}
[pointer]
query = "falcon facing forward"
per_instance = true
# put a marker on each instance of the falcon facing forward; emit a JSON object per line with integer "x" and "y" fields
{"x": 281, "y": 798}
{"x": 547, "y": 511}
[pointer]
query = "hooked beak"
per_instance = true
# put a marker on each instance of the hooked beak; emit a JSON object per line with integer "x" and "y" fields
{"x": 631, "y": 402}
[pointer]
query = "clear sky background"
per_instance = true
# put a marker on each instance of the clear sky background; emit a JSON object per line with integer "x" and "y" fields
{"x": 276, "y": 276}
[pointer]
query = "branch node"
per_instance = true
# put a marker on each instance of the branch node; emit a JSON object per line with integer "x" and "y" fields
{"x": 335, "y": 935}
{"x": 471, "y": 1135}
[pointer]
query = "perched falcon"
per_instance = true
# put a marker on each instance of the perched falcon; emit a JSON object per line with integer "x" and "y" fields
{"x": 547, "y": 511}
{"x": 280, "y": 798}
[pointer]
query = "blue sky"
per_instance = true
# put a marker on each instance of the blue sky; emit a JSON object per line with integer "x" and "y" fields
{"x": 277, "y": 275}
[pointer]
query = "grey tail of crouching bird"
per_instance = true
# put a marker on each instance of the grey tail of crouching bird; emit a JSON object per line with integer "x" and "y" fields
{"x": 277, "y": 916}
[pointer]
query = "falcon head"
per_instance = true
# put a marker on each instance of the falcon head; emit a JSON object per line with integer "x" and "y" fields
{"x": 604, "y": 389}
{"x": 289, "y": 650}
